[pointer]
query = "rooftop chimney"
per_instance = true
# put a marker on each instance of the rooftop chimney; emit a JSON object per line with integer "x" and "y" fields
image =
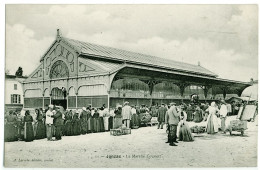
{"x": 58, "y": 34}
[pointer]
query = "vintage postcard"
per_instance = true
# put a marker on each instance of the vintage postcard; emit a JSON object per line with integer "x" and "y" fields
{"x": 131, "y": 86}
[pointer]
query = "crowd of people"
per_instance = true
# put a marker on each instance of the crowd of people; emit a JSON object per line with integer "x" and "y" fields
{"x": 54, "y": 121}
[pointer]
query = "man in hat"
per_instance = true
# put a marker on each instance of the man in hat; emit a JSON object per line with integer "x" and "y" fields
{"x": 126, "y": 114}
{"x": 58, "y": 122}
{"x": 223, "y": 115}
{"x": 49, "y": 122}
{"x": 161, "y": 115}
{"x": 172, "y": 119}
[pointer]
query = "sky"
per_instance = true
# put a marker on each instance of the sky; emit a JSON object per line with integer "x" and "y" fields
{"x": 223, "y": 38}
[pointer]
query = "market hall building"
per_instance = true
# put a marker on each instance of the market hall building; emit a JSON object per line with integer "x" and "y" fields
{"x": 74, "y": 74}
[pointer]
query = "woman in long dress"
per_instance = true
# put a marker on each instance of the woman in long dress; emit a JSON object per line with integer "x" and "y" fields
{"x": 76, "y": 129}
{"x": 184, "y": 132}
{"x": 212, "y": 122}
{"x": 96, "y": 121}
{"x": 40, "y": 130}
{"x": 106, "y": 119}
{"x": 111, "y": 119}
{"x": 101, "y": 119}
{"x": 68, "y": 124}
{"x": 118, "y": 117}
{"x": 83, "y": 121}
{"x": 90, "y": 120}
{"x": 190, "y": 112}
{"x": 134, "y": 119}
{"x": 11, "y": 127}
{"x": 28, "y": 128}
{"x": 198, "y": 115}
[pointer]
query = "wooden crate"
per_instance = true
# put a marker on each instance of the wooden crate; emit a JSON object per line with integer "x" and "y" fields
{"x": 126, "y": 131}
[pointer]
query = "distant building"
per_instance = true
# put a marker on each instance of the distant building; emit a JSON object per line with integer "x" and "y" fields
{"x": 13, "y": 92}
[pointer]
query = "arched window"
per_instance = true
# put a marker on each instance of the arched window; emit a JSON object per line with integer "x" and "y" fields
{"x": 59, "y": 70}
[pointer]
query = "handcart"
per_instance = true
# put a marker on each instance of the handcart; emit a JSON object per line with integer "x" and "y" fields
{"x": 237, "y": 125}
{"x": 246, "y": 114}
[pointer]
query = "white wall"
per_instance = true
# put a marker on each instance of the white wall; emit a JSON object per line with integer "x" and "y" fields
{"x": 9, "y": 89}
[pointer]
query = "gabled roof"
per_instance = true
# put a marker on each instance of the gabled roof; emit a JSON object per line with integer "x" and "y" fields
{"x": 90, "y": 49}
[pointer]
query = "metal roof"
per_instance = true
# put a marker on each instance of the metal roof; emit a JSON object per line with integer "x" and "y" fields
{"x": 90, "y": 49}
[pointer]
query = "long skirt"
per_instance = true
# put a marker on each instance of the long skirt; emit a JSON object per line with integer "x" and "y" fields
{"x": 211, "y": 125}
{"x": 134, "y": 120}
{"x": 90, "y": 125}
{"x": 197, "y": 117}
{"x": 189, "y": 115}
{"x": 110, "y": 122}
{"x": 76, "y": 128}
{"x": 102, "y": 126}
{"x": 106, "y": 122}
{"x": 84, "y": 126}
{"x": 68, "y": 128}
{"x": 96, "y": 125}
{"x": 117, "y": 123}
{"x": 185, "y": 133}
{"x": 40, "y": 130}
{"x": 28, "y": 132}
{"x": 10, "y": 132}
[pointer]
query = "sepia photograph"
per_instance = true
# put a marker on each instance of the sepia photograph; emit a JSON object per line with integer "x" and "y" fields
{"x": 130, "y": 86}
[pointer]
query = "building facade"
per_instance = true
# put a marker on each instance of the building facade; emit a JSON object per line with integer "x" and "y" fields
{"x": 14, "y": 92}
{"x": 74, "y": 74}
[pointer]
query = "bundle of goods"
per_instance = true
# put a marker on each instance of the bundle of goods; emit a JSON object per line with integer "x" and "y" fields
{"x": 154, "y": 120}
{"x": 145, "y": 118}
{"x": 135, "y": 127}
{"x": 115, "y": 132}
{"x": 198, "y": 129}
{"x": 120, "y": 131}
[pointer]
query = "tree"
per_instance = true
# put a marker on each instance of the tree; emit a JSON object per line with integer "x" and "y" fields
{"x": 19, "y": 72}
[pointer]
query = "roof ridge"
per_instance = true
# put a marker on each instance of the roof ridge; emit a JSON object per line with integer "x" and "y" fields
{"x": 104, "y": 48}
{"x": 148, "y": 55}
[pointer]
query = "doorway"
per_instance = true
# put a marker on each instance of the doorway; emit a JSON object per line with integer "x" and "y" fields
{"x": 59, "y": 97}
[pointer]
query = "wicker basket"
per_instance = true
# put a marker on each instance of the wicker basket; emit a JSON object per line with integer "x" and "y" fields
{"x": 115, "y": 132}
{"x": 135, "y": 127}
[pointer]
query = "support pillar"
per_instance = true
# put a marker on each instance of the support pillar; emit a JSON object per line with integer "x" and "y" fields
{"x": 151, "y": 84}
{"x": 108, "y": 99}
{"x": 50, "y": 98}
{"x": 76, "y": 100}
{"x": 43, "y": 100}
{"x": 182, "y": 87}
{"x": 225, "y": 91}
{"x": 206, "y": 90}
{"x": 67, "y": 99}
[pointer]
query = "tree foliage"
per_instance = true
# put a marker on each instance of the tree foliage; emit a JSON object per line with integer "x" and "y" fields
{"x": 19, "y": 72}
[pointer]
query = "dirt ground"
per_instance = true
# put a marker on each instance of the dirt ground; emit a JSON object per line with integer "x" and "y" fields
{"x": 145, "y": 147}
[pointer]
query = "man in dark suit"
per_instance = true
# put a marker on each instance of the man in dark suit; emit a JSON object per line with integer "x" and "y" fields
{"x": 172, "y": 119}
{"x": 161, "y": 115}
{"x": 58, "y": 123}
